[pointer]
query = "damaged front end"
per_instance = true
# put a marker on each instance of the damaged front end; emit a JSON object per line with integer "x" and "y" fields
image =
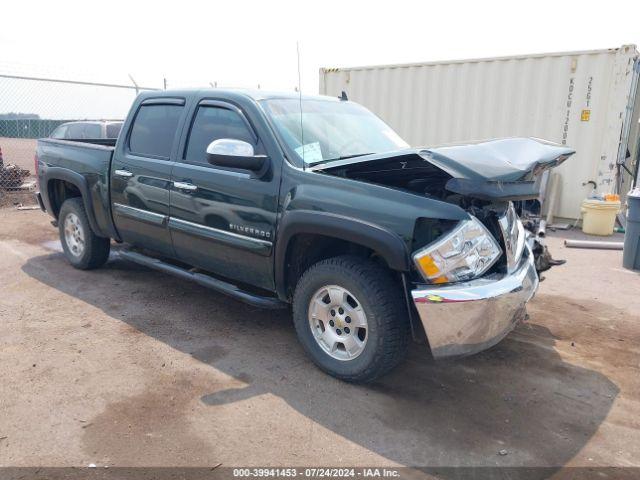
{"x": 471, "y": 281}
{"x": 482, "y": 178}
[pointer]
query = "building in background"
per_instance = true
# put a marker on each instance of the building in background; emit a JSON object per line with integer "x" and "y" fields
{"x": 588, "y": 100}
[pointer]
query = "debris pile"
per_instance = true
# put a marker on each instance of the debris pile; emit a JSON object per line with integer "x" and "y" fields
{"x": 11, "y": 176}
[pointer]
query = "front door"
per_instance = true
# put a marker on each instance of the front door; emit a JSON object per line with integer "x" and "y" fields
{"x": 223, "y": 220}
{"x": 141, "y": 175}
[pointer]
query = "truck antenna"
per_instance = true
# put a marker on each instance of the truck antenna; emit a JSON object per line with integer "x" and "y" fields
{"x": 300, "y": 101}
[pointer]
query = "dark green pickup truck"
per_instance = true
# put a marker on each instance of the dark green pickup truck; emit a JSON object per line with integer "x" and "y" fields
{"x": 277, "y": 199}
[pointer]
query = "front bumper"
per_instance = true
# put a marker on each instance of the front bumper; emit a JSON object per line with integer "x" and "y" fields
{"x": 469, "y": 317}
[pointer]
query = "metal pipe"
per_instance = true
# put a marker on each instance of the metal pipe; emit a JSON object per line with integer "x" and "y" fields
{"x": 593, "y": 244}
{"x": 542, "y": 228}
{"x": 552, "y": 196}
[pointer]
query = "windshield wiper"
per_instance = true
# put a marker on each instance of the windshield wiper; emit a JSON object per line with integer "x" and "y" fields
{"x": 345, "y": 157}
{"x": 350, "y": 156}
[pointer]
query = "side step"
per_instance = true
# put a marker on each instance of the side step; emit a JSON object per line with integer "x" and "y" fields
{"x": 204, "y": 280}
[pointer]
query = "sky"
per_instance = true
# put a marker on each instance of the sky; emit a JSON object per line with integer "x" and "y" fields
{"x": 244, "y": 43}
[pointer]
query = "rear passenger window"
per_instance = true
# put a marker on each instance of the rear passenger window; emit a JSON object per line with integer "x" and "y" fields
{"x": 59, "y": 132}
{"x": 92, "y": 130}
{"x": 154, "y": 129}
{"x": 214, "y": 123}
{"x": 113, "y": 129}
{"x": 75, "y": 131}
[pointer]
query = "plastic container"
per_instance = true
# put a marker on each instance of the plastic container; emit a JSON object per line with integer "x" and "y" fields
{"x": 599, "y": 216}
{"x": 631, "y": 253}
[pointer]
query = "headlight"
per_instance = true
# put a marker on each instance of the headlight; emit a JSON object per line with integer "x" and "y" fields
{"x": 465, "y": 253}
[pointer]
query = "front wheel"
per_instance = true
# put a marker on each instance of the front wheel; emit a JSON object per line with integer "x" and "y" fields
{"x": 83, "y": 248}
{"x": 351, "y": 319}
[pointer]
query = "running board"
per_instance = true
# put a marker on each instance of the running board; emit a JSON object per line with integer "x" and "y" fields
{"x": 204, "y": 280}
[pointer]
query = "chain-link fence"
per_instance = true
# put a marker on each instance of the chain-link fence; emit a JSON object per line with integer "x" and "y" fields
{"x": 38, "y": 102}
{"x": 33, "y": 107}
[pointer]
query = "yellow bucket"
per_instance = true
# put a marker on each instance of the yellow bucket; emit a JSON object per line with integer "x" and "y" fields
{"x": 599, "y": 216}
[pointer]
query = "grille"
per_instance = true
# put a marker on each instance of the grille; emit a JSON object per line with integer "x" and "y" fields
{"x": 513, "y": 237}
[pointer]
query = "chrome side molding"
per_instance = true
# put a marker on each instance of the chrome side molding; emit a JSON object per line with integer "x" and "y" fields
{"x": 140, "y": 214}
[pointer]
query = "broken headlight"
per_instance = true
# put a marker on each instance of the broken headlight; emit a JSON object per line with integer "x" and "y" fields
{"x": 462, "y": 254}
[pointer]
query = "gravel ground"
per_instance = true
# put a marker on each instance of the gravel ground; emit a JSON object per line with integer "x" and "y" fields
{"x": 124, "y": 366}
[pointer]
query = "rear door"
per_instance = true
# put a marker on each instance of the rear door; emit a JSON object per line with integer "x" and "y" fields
{"x": 141, "y": 174}
{"x": 223, "y": 220}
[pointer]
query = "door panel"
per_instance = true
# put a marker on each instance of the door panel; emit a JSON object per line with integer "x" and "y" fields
{"x": 141, "y": 202}
{"x": 225, "y": 225}
{"x": 141, "y": 177}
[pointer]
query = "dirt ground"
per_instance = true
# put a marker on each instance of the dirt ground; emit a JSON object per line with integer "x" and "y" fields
{"x": 126, "y": 366}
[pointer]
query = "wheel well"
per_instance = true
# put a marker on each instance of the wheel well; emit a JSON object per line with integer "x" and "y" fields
{"x": 305, "y": 249}
{"x": 59, "y": 191}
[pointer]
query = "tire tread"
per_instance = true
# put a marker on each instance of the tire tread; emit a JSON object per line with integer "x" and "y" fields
{"x": 96, "y": 248}
{"x": 389, "y": 306}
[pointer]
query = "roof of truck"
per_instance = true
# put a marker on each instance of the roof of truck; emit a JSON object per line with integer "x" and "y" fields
{"x": 99, "y": 122}
{"x": 254, "y": 94}
{"x": 268, "y": 95}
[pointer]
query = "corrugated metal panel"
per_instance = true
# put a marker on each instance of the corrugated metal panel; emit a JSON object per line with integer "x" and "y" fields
{"x": 539, "y": 95}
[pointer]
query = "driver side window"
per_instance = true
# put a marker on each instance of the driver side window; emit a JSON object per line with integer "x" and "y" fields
{"x": 214, "y": 123}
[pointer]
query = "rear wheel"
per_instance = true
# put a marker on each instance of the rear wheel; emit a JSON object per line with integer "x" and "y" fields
{"x": 350, "y": 317}
{"x": 83, "y": 248}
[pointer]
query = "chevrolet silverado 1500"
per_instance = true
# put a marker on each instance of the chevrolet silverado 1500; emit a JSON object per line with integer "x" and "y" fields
{"x": 276, "y": 199}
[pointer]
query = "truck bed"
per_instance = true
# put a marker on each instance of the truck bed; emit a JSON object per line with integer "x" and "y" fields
{"x": 89, "y": 161}
{"x": 81, "y": 156}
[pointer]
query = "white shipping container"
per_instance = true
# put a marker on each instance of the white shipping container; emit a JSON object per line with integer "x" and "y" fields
{"x": 582, "y": 99}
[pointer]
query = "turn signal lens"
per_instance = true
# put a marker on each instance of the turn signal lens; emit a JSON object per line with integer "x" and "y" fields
{"x": 428, "y": 266}
{"x": 463, "y": 254}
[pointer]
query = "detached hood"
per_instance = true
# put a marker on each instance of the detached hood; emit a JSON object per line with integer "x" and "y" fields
{"x": 495, "y": 169}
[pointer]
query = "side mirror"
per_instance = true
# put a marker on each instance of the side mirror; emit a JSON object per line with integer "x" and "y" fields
{"x": 232, "y": 153}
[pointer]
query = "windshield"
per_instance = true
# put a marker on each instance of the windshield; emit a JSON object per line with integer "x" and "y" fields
{"x": 329, "y": 130}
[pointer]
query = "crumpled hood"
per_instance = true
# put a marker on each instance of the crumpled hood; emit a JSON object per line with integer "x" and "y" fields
{"x": 507, "y": 160}
{"x": 503, "y": 160}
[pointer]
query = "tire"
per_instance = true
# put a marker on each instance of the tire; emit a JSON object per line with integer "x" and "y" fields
{"x": 83, "y": 248}
{"x": 368, "y": 286}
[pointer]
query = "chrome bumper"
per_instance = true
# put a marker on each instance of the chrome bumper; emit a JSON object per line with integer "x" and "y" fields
{"x": 466, "y": 318}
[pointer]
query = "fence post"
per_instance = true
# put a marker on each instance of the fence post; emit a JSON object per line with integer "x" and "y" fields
{"x": 134, "y": 83}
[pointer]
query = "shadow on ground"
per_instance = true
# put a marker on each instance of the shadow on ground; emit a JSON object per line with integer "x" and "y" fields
{"x": 520, "y": 396}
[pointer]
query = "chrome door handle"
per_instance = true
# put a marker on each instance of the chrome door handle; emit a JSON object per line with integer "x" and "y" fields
{"x": 189, "y": 187}
{"x": 123, "y": 173}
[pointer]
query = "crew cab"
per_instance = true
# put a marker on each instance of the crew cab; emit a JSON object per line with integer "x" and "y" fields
{"x": 314, "y": 202}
